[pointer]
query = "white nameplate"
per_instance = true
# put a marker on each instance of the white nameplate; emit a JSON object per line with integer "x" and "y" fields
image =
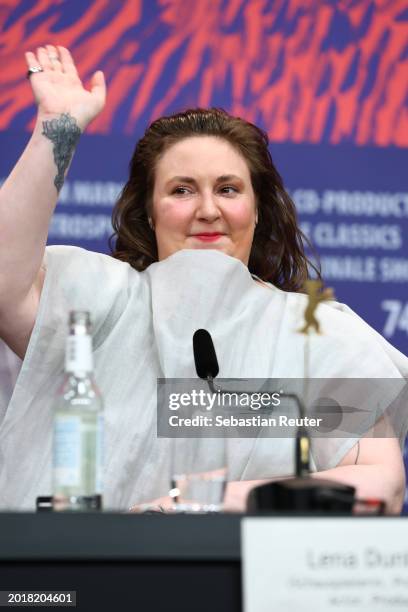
{"x": 325, "y": 564}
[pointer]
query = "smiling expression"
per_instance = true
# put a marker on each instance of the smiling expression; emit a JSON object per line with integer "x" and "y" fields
{"x": 203, "y": 199}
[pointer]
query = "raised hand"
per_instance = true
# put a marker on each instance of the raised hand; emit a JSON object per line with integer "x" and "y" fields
{"x": 59, "y": 90}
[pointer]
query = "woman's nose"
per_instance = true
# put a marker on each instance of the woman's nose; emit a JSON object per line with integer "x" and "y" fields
{"x": 207, "y": 207}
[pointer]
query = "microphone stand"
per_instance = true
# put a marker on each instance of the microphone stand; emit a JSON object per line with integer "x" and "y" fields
{"x": 302, "y": 451}
{"x": 301, "y": 493}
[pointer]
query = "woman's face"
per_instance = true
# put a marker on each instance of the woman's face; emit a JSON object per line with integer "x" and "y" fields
{"x": 203, "y": 199}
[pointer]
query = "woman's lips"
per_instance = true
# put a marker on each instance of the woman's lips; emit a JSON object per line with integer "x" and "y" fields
{"x": 208, "y": 237}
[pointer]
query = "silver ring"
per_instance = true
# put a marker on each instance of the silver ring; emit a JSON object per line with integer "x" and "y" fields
{"x": 34, "y": 70}
{"x": 53, "y": 58}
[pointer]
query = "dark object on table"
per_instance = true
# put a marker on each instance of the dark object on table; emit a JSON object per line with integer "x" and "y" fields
{"x": 302, "y": 495}
{"x": 93, "y": 503}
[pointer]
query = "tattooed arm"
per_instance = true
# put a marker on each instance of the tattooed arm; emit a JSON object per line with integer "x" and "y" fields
{"x": 64, "y": 134}
{"x": 29, "y": 195}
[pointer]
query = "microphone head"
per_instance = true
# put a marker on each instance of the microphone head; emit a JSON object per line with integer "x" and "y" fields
{"x": 204, "y": 354}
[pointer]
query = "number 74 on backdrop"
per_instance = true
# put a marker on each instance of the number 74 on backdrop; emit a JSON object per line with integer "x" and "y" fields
{"x": 397, "y": 317}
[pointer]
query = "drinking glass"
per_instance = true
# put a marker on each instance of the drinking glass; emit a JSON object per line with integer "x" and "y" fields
{"x": 198, "y": 474}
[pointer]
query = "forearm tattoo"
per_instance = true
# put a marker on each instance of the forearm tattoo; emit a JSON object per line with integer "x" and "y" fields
{"x": 64, "y": 133}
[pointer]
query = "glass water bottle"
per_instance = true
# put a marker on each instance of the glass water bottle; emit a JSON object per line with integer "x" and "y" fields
{"x": 78, "y": 425}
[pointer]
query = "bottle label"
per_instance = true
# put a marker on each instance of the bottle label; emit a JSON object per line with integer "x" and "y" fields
{"x": 78, "y": 354}
{"x": 67, "y": 451}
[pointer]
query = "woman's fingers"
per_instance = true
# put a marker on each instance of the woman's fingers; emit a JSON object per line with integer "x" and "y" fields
{"x": 67, "y": 61}
{"x": 161, "y": 504}
{"x": 43, "y": 58}
{"x": 98, "y": 87}
{"x": 31, "y": 59}
{"x": 54, "y": 58}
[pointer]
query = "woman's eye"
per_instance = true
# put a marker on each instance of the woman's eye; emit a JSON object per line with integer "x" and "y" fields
{"x": 229, "y": 189}
{"x": 180, "y": 190}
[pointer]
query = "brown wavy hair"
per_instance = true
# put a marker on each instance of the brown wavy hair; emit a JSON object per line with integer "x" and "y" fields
{"x": 278, "y": 249}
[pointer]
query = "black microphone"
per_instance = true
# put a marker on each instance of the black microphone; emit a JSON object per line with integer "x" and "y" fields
{"x": 204, "y": 355}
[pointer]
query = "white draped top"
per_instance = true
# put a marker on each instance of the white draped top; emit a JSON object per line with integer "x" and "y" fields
{"x": 143, "y": 325}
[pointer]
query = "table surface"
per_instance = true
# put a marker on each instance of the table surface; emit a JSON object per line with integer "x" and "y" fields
{"x": 129, "y": 561}
{"x": 126, "y": 537}
{"x": 81, "y": 536}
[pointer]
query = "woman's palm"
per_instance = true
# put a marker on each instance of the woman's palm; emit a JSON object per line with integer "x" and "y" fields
{"x": 58, "y": 88}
